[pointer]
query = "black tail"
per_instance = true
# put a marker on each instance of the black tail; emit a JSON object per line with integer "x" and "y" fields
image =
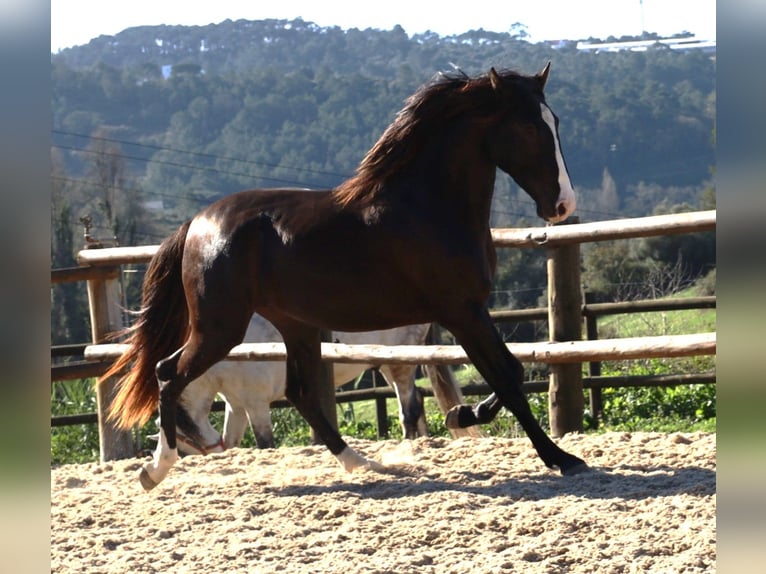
{"x": 160, "y": 330}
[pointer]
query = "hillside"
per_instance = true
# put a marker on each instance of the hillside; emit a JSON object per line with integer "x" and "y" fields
{"x": 155, "y": 122}
{"x": 295, "y": 103}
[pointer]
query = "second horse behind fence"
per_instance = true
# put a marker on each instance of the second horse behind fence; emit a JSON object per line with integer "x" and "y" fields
{"x": 248, "y": 387}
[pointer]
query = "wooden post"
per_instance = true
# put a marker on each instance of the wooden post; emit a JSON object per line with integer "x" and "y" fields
{"x": 565, "y": 393}
{"x": 106, "y": 318}
{"x": 326, "y": 392}
{"x": 594, "y": 367}
{"x": 381, "y": 409}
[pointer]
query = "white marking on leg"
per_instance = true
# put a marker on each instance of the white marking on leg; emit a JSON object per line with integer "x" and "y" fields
{"x": 566, "y": 198}
{"x": 164, "y": 459}
{"x": 350, "y": 460}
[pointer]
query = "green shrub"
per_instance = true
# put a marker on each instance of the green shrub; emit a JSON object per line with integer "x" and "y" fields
{"x": 75, "y": 443}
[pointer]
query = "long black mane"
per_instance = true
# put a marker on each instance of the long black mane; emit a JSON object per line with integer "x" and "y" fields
{"x": 422, "y": 118}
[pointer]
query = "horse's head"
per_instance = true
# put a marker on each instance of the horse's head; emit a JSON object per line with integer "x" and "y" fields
{"x": 525, "y": 143}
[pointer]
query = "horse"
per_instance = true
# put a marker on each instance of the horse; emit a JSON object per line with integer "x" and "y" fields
{"x": 248, "y": 388}
{"x": 405, "y": 240}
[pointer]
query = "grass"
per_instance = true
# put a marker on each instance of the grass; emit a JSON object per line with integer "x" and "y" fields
{"x": 77, "y": 443}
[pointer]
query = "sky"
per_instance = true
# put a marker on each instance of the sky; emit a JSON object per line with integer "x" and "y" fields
{"x": 76, "y": 22}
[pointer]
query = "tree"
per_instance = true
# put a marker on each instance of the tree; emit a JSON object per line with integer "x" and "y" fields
{"x": 69, "y": 310}
{"x": 693, "y": 254}
{"x": 117, "y": 200}
{"x": 608, "y": 200}
{"x": 614, "y": 270}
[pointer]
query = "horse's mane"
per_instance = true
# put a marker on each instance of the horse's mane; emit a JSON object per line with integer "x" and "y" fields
{"x": 434, "y": 104}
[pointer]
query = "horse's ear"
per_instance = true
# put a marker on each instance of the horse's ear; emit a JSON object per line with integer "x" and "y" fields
{"x": 495, "y": 81}
{"x": 542, "y": 77}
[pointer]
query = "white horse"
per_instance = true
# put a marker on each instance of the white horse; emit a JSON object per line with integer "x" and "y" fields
{"x": 248, "y": 387}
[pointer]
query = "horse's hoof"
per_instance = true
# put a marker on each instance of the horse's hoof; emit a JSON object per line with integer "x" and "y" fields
{"x": 351, "y": 460}
{"x": 375, "y": 466}
{"x": 146, "y": 480}
{"x": 452, "y": 418}
{"x": 576, "y": 469}
{"x": 460, "y": 417}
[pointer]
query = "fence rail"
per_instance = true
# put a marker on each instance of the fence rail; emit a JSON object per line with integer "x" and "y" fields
{"x": 468, "y": 390}
{"x": 100, "y": 267}
{"x": 546, "y": 352}
{"x": 95, "y": 366}
{"x": 653, "y": 226}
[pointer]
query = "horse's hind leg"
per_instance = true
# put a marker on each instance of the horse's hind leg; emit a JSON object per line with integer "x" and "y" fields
{"x": 234, "y": 423}
{"x": 412, "y": 415}
{"x": 303, "y": 346}
{"x": 197, "y": 355}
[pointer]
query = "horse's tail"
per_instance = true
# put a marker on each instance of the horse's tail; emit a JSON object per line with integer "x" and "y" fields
{"x": 159, "y": 331}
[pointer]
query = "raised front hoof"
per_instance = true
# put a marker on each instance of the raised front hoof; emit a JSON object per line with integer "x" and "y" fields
{"x": 460, "y": 417}
{"x": 146, "y": 481}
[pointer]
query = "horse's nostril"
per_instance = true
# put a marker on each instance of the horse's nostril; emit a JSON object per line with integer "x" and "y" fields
{"x": 562, "y": 208}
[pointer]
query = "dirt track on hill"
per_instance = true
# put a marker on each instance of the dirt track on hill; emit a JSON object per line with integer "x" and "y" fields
{"x": 467, "y": 505}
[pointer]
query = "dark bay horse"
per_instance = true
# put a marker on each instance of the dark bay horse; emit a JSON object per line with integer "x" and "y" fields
{"x": 405, "y": 240}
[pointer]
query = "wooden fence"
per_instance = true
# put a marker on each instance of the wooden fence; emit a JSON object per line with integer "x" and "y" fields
{"x": 565, "y": 352}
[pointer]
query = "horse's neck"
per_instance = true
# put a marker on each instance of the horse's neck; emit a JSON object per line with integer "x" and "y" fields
{"x": 448, "y": 177}
{"x": 465, "y": 186}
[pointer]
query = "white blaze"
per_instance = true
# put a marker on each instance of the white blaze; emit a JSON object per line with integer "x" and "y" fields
{"x": 566, "y": 192}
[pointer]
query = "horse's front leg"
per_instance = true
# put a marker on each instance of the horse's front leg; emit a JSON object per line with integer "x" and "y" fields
{"x": 258, "y": 412}
{"x": 504, "y": 373}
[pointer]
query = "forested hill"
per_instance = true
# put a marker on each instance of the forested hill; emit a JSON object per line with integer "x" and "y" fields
{"x": 197, "y": 112}
{"x": 248, "y": 46}
{"x": 150, "y": 125}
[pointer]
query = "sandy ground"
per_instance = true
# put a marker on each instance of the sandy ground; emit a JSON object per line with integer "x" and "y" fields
{"x": 467, "y": 505}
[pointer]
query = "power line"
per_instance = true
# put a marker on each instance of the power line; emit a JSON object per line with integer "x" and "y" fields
{"x": 78, "y": 181}
{"x": 203, "y": 155}
{"x": 201, "y": 168}
{"x": 203, "y": 201}
{"x": 180, "y": 165}
{"x": 597, "y": 215}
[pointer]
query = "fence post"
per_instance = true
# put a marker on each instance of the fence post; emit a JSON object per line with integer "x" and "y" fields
{"x": 594, "y": 367}
{"x": 326, "y": 391}
{"x": 106, "y": 318}
{"x": 381, "y": 409}
{"x": 565, "y": 390}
